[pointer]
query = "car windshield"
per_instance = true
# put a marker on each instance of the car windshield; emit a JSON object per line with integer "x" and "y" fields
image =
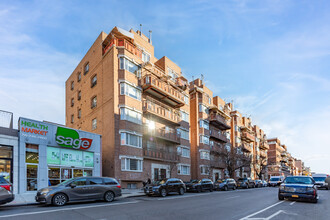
{"x": 159, "y": 182}
{"x": 64, "y": 183}
{"x": 299, "y": 180}
{"x": 194, "y": 181}
{"x": 319, "y": 178}
{"x": 274, "y": 179}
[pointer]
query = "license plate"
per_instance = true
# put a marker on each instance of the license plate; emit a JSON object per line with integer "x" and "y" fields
{"x": 295, "y": 196}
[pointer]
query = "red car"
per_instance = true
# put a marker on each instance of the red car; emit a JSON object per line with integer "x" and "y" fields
{"x": 4, "y": 183}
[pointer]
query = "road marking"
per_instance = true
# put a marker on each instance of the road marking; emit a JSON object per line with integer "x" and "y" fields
{"x": 262, "y": 210}
{"x": 292, "y": 203}
{"x": 232, "y": 197}
{"x": 66, "y": 209}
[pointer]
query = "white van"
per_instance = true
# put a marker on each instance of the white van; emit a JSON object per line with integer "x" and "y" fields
{"x": 320, "y": 180}
{"x": 275, "y": 180}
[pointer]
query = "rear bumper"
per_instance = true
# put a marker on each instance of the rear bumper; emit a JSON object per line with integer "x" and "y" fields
{"x": 7, "y": 200}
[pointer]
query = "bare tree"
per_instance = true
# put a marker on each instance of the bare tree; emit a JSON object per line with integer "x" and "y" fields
{"x": 260, "y": 166}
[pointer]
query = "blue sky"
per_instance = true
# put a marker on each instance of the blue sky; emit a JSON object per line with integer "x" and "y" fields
{"x": 270, "y": 57}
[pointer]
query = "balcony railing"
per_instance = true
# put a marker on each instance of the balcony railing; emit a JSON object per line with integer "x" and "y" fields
{"x": 217, "y": 163}
{"x": 216, "y": 149}
{"x": 264, "y": 145}
{"x": 219, "y": 136}
{"x": 163, "y": 133}
{"x": 152, "y": 106}
{"x": 263, "y": 154}
{"x": 123, "y": 43}
{"x": 246, "y": 148}
{"x": 218, "y": 121}
{"x": 162, "y": 90}
{"x": 246, "y": 136}
{"x": 158, "y": 154}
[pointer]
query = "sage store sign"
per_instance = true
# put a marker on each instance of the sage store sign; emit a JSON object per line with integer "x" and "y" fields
{"x": 70, "y": 138}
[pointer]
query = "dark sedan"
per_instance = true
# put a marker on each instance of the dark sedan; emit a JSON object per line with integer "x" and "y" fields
{"x": 6, "y": 196}
{"x": 199, "y": 185}
{"x": 164, "y": 187}
{"x": 225, "y": 184}
{"x": 299, "y": 188}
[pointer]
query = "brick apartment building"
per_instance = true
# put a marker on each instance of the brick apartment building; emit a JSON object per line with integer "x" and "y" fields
{"x": 210, "y": 124}
{"x": 278, "y": 161}
{"x": 138, "y": 103}
{"x": 261, "y": 148}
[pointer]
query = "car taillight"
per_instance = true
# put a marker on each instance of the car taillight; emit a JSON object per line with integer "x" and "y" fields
{"x": 118, "y": 186}
{"x": 7, "y": 187}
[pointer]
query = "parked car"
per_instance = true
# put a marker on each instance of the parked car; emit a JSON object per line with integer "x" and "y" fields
{"x": 5, "y": 184}
{"x": 164, "y": 187}
{"x": 246, "y": 183}
{"x": 258, "y": 183}
{"x": 199, "y": 185}
{"x": 275, "y": 180}
{"x": 225, "y": 184}
{"x": 80, "y": 189}
{"x": 320, "y": 181}
{"x": 6, "y": 196}
{"x": 264, "y": 183}
{"x": 298, "y": 187}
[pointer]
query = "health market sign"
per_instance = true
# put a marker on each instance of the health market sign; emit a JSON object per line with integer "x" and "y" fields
{"x": 70, "y": 138}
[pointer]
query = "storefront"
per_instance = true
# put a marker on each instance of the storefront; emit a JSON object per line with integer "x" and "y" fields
{"x": 50, "y": 154}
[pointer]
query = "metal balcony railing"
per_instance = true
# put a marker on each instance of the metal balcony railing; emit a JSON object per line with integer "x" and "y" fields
{"x": 162, "y": 155}
{"x": 163, "y": 133}
{"x": 218, "y": 121}
{"x": 246, "y": 136}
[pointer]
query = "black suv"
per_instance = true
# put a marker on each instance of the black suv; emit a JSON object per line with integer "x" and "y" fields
{"x": 199, "y": 185}
{"x": 225, "y": 184}
{"x": 246, "y": 183}
{"x": 164, "y": 187}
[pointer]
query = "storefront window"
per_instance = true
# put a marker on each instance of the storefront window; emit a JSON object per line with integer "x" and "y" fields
{"x": 77, "y": 172}
{"x": 32, "y": 160}
{"x": 54, "y": 176}
{"x": 66, "y": 173}
{"x": 6, "y": 169}
{"x": 32, "y": 153}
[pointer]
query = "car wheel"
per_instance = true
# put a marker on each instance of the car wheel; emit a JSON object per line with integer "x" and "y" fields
{"x": 181, "y": 191}
{"x": 163, "y": 192}
{"x": 109, "y": 196}
{"x": 60, "y": 199}
{"x": 199, "y": 189}
{"x": 225, "y": 188}
{"x": 280, "y": 197}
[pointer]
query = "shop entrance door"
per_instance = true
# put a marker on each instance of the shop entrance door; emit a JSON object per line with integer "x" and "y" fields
{"x": 31, "y": 177}
{"x": 162, "y": 173}
{"x": 6, "y": 169}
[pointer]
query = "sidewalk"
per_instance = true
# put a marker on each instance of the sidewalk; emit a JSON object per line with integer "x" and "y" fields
{"x": 28, "y": 198}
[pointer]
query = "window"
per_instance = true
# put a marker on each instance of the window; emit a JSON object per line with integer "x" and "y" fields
{"x": 203, "y": 108}
{"x": 95, "y": 181}
{"x": 94, "y": 81}
{"x": 72, "y": 102}
{"x": 204, "y": 124}
{"x": 186, "y": 99}
{"x": 185, "y": 152}
{"x": 86, "y": 68}
{"x": 94, "y": 124}
{"x": 184, "y": 116}
{"x": 79, "y": 95}
{"x": 109, "y": 181}
{"x": 128, "y": 65}
{"x": 172, "y": 74}
{"x": 130, "y": 115}
{"x": 79, "y": 113}
{"x": 79, "y": 76}
{"x": 94, "y": 102}
{"x": 80, "y": 182}
{"x": 132, "y": 140}
{"x": 238, "y": 140}
{"x": 183, "y": 169}
{"x": 32, "y": 153}
{"x": 205, "y": 170}
{"x": 72, "y": 85}
{"x": 72, "y": 119}
{"x": 126, "y": 89}
{"x": 205, "y": 155}
{"x": 145, "y": 56}
{"x": 131, "y": 186}
{"x": 130, "y": 164}
{"x": 183, "y": 133}
{"x": 204, "y": 139}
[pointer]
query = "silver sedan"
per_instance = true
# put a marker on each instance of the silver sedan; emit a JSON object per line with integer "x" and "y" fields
{"x": 80, "y": 189}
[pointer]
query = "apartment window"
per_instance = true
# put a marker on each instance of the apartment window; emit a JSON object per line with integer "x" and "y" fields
{"x": 79, "y": 113}
{"x": 72, "y": 102}
{"x": 72, "y": 85}
{"x": 129, "y": 139}
{"x": 79, "y": 77}
{"x": 86, "y": 69}
{"x": 210, "y": 100}
{"x": 238, "y": 140}
{"x": 204, "y": 124}
{"x": 183, "y": 169}
{"x": 183, "y": 133}
{"x": 130, "y": 164}
{"x": 205, "y": 155}
{"x": 185, "y": 152}
{"x": 203, "y": 108}
{"x": 94, "y": 81}
{"x": 72, "y": 119}
{"x": 94, "y": 102}
{"x": 204, "y": 139}
{"x": 79, "y": 95}
{"x": 172, "y": 74}
{"x": 128, "y": 65}
{"x": 145, "y": 56}
{"x": 126, "y": 89}
{"x": 184, "y": 116}
{"x": 130, "y": 115}
{"x": 94, "y": 124}
{"x": 186, "y": 99}
{"x": 204, "y": 170}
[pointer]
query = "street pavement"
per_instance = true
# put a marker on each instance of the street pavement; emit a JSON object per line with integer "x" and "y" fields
{"x": 245, "y": 204}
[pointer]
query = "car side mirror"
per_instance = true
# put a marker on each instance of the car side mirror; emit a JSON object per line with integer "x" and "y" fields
{"x": 73, "y": 185}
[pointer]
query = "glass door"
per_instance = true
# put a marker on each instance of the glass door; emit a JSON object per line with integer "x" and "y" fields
{"x": 54, "y": 176}
{"x": 31, "y": 177}
{"x": 66, "y": 173}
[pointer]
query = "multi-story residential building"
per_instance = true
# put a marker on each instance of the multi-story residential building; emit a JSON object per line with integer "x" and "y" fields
{"x": 138, "y": 103}
{"x": 209, "y": 119}
{"x": 278, "y": 163}
{"x": 299, "y": 165}
{"x": 261, "y": 147}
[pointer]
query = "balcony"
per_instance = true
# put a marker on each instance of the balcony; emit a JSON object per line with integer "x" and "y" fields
{"x": 219, "y": 136}
{"x": 247, "y": 137}
{"x": 123, "y": 43}
{"x": 246, "y": 148}
{"x": 217, "y": 149}
{"x": 163, "y": 133}
{"x": 264, "y": 145}
{"x": 162, "y": 91}
{"x": 155, "y": 108}
{"x": 157, "y": 154}
{"x": 218, "y": 121}
{"x": 263, "y": 154}
{"x": 283, "y": 154}
{"x": 217, "y": 164}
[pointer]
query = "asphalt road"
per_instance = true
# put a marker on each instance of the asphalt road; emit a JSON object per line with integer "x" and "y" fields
{"x": 242, "y": 204}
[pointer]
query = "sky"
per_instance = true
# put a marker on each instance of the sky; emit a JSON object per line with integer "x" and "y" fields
{"x": 270, "y": 58}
